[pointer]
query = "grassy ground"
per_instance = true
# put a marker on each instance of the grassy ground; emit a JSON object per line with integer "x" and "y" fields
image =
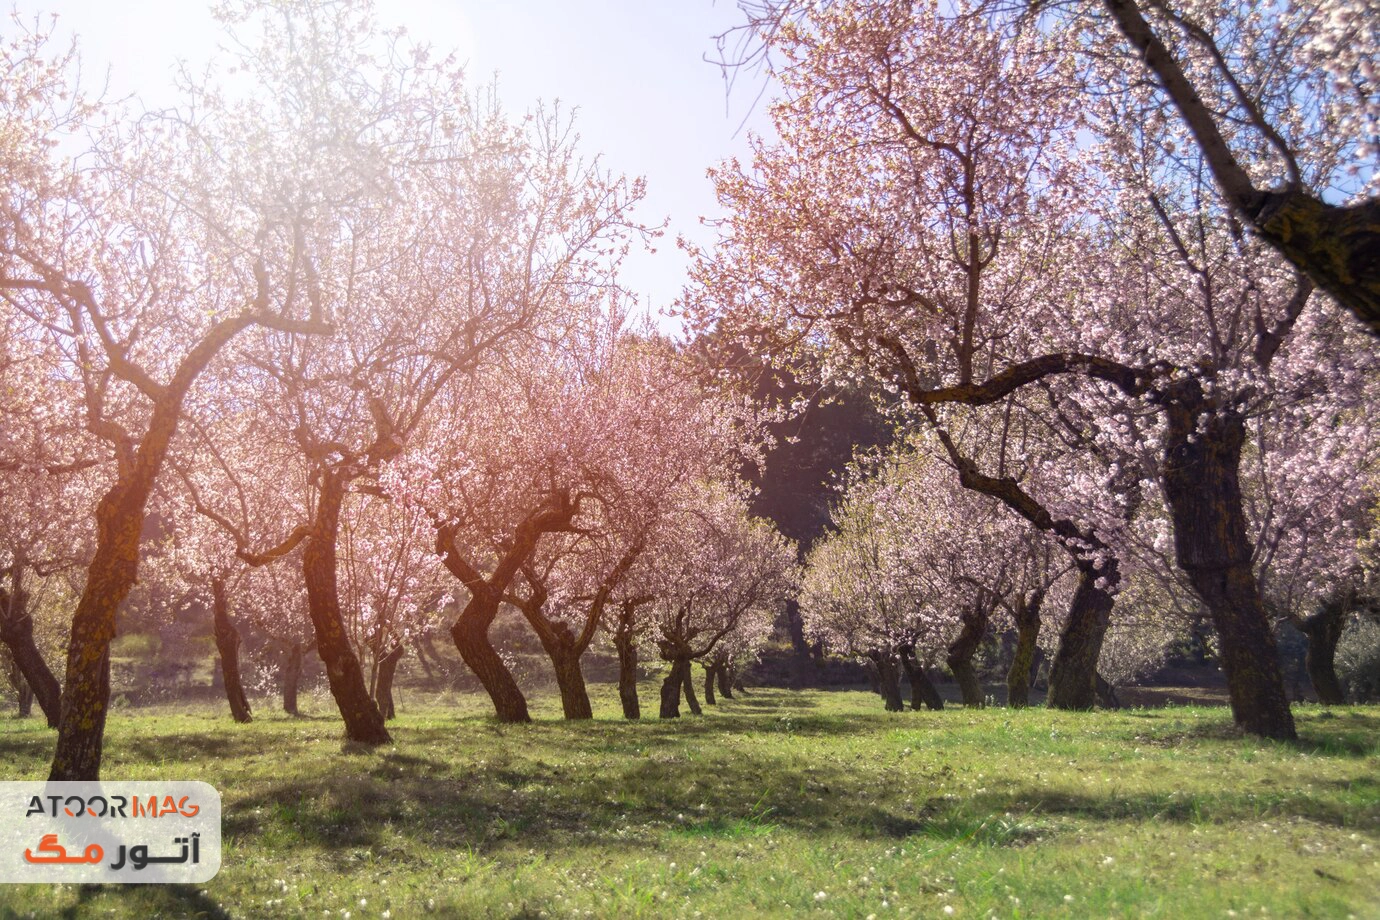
{"x": 775, "y": 804}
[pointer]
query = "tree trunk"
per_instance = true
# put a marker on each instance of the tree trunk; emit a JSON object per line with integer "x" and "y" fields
{"x": 1018, "y": 677}
{"x": 688, "y": 683}
{"x": 671, "y": 688}
{"x": 725, "y": 681}
{"x": 17, "y": 633}
{"x": 1073, "y": 674}
{"x": 1106, "y": 693}
{"x": 292, "y": 675}
{"x": 1202, "y": 460}
{"x": 23, "y": 692}
{"x": 571, "y": 681}
{"x": 961, "y": 651}
{"x": 228, "y": 645}
{"x": 471, "y": 635}
{"x": 26, "y": 697}
{"x": 888, "y": 680}
{"x": 874, "y": 678}
{"x": 627, "y": 673}
{"x": 363, "y": 721}
{"x": 709, "y": 673}
{"x": 112, "y": 573}
{"x": 383, "y": 681}
{"x": 1323, "y": 630}
{"x": 922, "y": 689}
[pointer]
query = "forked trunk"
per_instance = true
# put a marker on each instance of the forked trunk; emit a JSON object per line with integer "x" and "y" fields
{"x": 1202, "y": 460}
{"x": 292, "y": 676}
{"x": 627, "y": 673}
{"x": 1018, "y": 677}
{"x": 471, "y": 635}
{"x": 922, "y": 689}
{"x": 363, "y": 721}
{"x": 383, "y": 681}
{"x": 17, "y": 633}
{"x": 961, "y": 652}
{"x": 228, "y": 646}
{"x": 1323, "y": 631}
{"x": 888, "y": 679}
{"x": 671, "y": 688}
{"x": 1073, "y": 674}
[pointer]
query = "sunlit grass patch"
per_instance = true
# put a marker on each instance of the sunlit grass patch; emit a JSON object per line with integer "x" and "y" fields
{"x": 774, "y": 805}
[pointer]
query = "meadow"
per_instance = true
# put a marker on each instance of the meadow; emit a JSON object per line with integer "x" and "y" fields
{"x": 778, "y": 803}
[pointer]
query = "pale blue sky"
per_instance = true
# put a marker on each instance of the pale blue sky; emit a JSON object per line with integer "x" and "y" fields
{"x": 648, "y": 102}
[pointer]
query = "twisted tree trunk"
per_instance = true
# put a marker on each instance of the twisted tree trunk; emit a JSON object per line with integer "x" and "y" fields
{"x": 961, "y": 651}
{"x": 17, "y": 633}
{"x": 626, "y": 645}
{"x": 1323, "y": 631}
{"x": 688, "y": 685}
{"x": 671, "y": 687}
{"x": 471, "y": 635}
{"x": 888, "y": 679}
{"x": 1073, "y": 673}
{"x": 1018, "y": 677}
{"x": 1201, "y": 475}
{"x": 228, "y": 647}
{"x": 571, "y": 681}
{"x": 383, "y": 681}
{"x": 1106, "y": 694}
{"x": 363, "y": 721}
{"x": 292, "y": 676}
{"x": 725, "y": 681}
{"x": 922, "y": 690}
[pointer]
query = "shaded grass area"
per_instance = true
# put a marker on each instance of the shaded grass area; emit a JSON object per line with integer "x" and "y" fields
{"x": 775, "y": 804}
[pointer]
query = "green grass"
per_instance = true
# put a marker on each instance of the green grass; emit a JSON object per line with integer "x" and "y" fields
{"x": 775, "y": 804}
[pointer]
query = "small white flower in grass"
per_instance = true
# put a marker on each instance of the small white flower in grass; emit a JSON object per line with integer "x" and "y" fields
{"x": 1108, "y": 860}
{"x": 430, "y": 904}
{"x": 1068, "y": 899}
{"x": 948, "y": 910}
{"x": 821, "y": 895}
{"x": 363, "y": 902}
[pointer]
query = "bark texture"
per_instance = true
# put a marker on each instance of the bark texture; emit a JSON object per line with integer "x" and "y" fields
{"x": 17, "y": 633}
{"x": 888, "y": 679}
{"x": 292, "y": 677}
{"x": 1027, "y": 616}
{"x": 1201, "y": 475}
{"x": 671, "y": 688}
{"x": 626, "y": 644}
{"x": 922, "y": 689}
{"x": 961, "y": 651}
{"x": 1323, "y": 630}
{"x": 228, "y": 647}
{"x": 363, "y": 721}
{"x": 1073, "y": 673}
{"x": 383, "y": 680}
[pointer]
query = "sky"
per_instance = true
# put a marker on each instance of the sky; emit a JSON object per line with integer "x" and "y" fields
{"x": 646, "y": 100}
